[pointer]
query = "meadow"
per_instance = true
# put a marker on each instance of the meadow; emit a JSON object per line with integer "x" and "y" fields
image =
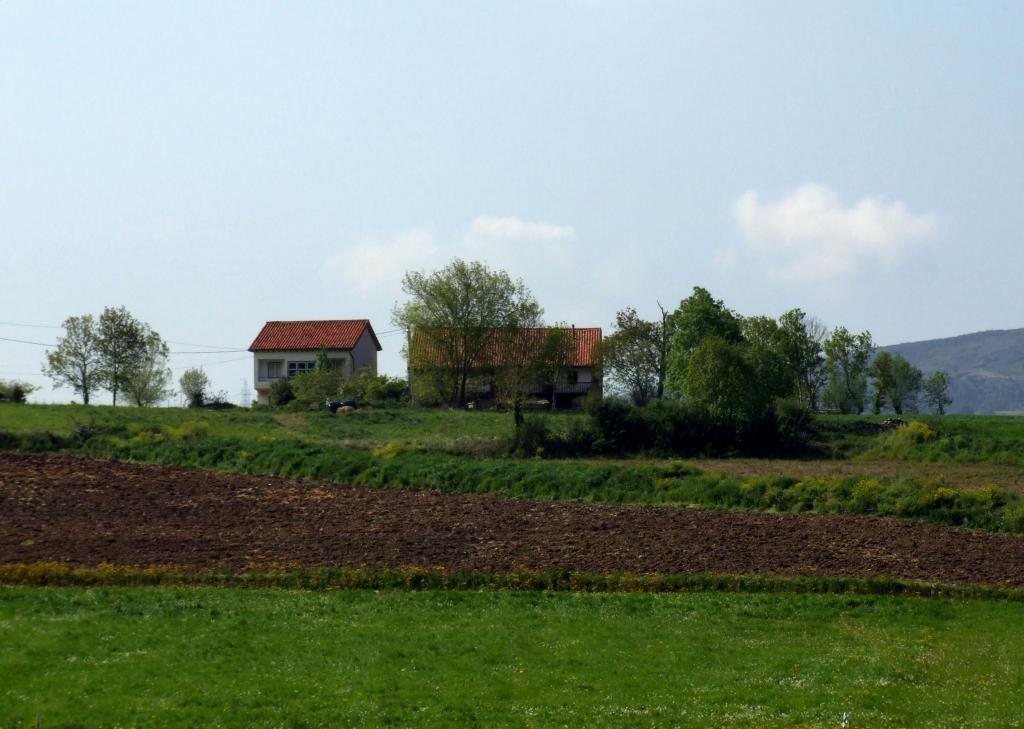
{"x": 191, "y": 657}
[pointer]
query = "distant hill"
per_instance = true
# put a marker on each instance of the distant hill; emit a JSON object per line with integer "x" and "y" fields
{"x": 986, "y": 368}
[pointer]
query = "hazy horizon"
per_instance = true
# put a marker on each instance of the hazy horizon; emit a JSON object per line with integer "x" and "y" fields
{"x": 212, "y": 167}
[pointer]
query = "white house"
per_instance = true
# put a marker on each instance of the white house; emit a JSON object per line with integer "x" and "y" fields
{"x": 286, "y": 348}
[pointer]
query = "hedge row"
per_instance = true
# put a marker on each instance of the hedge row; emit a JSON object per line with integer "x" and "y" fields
{"x": 420, "y": 578}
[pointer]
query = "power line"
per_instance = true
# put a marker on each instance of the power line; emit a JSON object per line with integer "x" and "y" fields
{"x": 220, "y": 347}
{"x": 208, "y": 364}
{"x": 25, "y": 341}
{"x": 30, "y": 326}
{"x": 209, "y": 351}
{"x": 192, "y": 351}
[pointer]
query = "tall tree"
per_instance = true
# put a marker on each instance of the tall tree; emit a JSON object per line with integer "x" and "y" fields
{"x": 799, "y": 342}
{"x": 452, "y": 316}
{"x": 896, "y": 382}
{"x": 122, "y": 347}
{"x": 77, "y": 361}
{"x": 699, "y": 316}
{"x": 665, "y": 329}
{"x": 846, "y": 364}
{"x": 150, "y": 381}
{"x": 936, "y": 391}
{"x": 532, "y": 361}
{"x": 631, "y": 356}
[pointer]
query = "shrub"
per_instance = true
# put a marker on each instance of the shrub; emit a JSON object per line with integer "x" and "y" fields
{"x": 281, "y": 392}
{"x": 15, "y": 390}
{"x": 533, "y": 437}
{"x": 365, "y": 386}
{"x": 315, "y": 386}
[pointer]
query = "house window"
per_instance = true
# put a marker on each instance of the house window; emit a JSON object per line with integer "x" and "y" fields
{"x": 295, "y": 368}
{"x": 572, "y": 377}
{"x": 271, "y": 369}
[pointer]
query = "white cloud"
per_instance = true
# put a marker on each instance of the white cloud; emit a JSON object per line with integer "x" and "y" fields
{"x": 372, "y": 266}
{"x": 493, "y": 227}
{"x": 810, "y": 236}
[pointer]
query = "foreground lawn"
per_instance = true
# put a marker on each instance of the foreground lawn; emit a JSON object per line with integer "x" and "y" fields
{"x": 225, "y": 657}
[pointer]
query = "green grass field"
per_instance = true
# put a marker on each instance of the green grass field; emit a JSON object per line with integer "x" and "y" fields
{"x": 231, "y": 657}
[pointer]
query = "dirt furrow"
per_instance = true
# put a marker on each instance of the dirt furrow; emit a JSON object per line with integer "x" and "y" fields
{"x": 60, "y": 508}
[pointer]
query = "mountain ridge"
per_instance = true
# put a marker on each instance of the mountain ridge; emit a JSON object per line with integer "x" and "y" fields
{"x": 986, "y": 368}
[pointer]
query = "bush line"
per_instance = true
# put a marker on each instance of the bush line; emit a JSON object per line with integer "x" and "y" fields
{"x": 57, "y": 574}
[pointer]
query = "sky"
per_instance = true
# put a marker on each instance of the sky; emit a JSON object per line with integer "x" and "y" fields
{"x": 212, "y": 166}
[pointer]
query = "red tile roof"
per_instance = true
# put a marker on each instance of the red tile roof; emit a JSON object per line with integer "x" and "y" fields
{"x": 310, "y": 335}
{"x": 584, "y": 341}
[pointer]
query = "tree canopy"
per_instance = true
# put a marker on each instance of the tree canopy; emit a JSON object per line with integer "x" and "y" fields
{"x": 897, "y": 383}
{"x": 698, "y": 316}
{"x": 453, "y": 316}
{"x": 77, "y": 361}
{"x": 631, "y": 356}
{"x": 846, "y": 364}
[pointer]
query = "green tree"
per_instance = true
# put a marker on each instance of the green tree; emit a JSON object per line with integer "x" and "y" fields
{"x": 122, "y": 348}
{"x": 936, "y": 391}
{"x": 846, "y": 364}
{"x": 77, "y": 362}
{"x": 150, "y": 381}
{"x": 452, "y": 316}
{"x": 195, "y": 386}
{"x": 631, "y": 356}
{"x": 699, "y": 316}
{"x": 896, "y": 383}
{"x": 799, "y": 341}
{"x": 529, "y": 361}
{"x": 721, "y": 381}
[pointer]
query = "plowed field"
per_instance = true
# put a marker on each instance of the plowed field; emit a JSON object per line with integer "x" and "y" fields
{"x": 60, "y": 508}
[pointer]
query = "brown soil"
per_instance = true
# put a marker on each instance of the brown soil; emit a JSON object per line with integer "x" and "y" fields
{"x": 64, "y": 509}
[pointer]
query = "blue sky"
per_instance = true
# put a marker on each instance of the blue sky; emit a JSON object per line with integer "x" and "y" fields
{"x": 215, "y": 165}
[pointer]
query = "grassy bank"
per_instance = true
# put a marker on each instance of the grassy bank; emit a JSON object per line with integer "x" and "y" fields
{"x": 449, "y": 430}
{"x": 952, "y": 438}
{"x": 224, "y": 657}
